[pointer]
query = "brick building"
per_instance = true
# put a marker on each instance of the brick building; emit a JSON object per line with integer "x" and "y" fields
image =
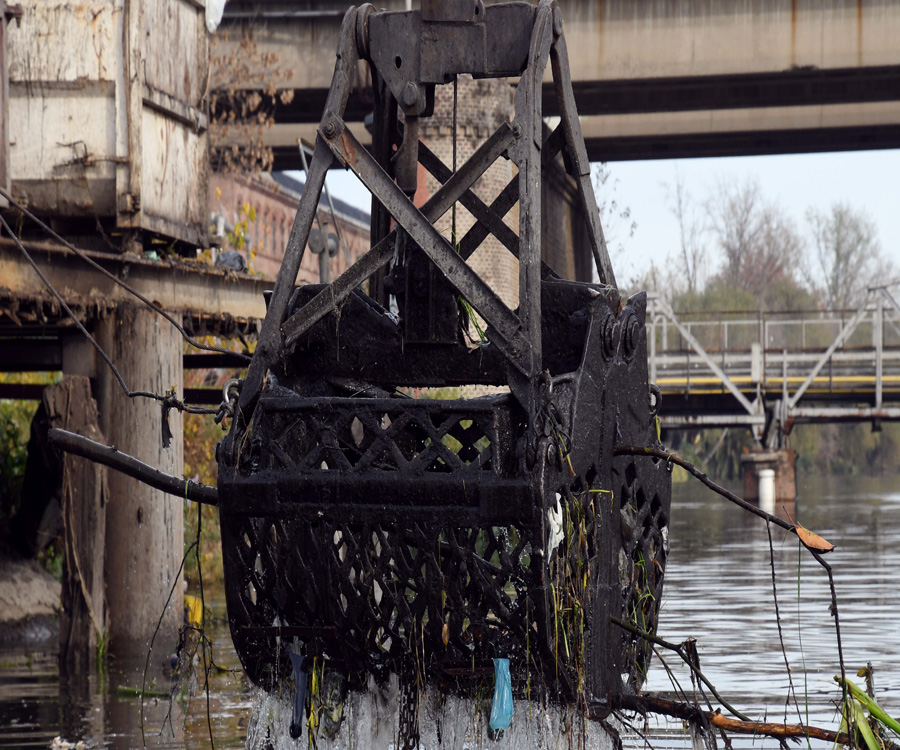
{"x": 482, "y": 105}
{"x": 274, "y": 200}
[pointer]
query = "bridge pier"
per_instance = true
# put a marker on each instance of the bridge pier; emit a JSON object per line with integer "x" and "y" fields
{"x": 782, "y": 461}
{"x": 144, "y": 526}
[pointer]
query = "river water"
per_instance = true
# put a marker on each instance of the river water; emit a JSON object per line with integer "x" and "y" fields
{"x": 718, "y": 591}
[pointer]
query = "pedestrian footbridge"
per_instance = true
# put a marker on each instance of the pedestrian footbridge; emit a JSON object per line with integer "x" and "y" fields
{"x": 764, "y": 369}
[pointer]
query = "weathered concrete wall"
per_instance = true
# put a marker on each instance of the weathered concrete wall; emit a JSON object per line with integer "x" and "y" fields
{"x": 107, "y": 112}
{"x": 636, "y": 39}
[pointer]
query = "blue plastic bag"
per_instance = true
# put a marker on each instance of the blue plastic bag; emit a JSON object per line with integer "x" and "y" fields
{"x": 502, "y": 709}
{"x": 298, "y": 702}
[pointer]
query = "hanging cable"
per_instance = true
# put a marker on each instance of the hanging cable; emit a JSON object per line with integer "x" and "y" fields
{"x": 169, "y": 400}
{"x": 91, "y": 262}
{"x": 455, "y": 101}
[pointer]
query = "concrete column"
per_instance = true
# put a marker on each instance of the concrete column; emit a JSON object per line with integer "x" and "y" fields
{"x": 144, "y": 527}
{"x": 782, "y": 462}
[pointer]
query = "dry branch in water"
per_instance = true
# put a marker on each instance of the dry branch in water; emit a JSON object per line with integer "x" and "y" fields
{"x": 645, "y": 704}
{"x": 813, "y": 542}
{"x": 816, "y": 545}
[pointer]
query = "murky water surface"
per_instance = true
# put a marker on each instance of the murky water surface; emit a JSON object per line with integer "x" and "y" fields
{"x": 718, "y": 591}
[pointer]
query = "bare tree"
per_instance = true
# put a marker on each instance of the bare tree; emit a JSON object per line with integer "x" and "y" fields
{"x": 617, "y": 222}
{"x": 691, "y": 234}
{"x": 846, "y": 257}
{"x": 759, "y": 242}
{"x": 246, "y": 86}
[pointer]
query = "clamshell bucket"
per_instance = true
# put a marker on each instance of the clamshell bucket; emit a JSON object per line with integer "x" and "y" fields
{"x": 427, "y": 537}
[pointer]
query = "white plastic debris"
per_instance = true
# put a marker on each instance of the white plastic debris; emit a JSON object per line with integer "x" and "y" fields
{"x": 214, "y": 11}
{"x": 554, "y": 519}
{"x": 61, "y": 744}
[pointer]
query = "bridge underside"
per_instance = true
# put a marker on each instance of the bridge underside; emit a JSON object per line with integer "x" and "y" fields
{"x": 652, "y": 80}
{"x": 36, "y": 334}
{"x": 716, "y": 410}
{"x": 795, "y": 111}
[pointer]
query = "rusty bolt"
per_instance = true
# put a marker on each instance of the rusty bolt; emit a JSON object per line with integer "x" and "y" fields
{"x": 410, "y": 95}
{"x": 630, "y": 335}
{"x": 329, "y": 129}
{"x": 610, "y": 335}
{"x": 517, "y": 129}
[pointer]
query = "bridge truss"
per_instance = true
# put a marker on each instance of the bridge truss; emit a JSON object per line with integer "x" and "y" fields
{"x": 769, "y": 371}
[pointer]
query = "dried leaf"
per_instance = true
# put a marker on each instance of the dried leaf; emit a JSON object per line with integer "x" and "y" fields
{"x": 445, "y": 634}
{"x": 812, "y": 540}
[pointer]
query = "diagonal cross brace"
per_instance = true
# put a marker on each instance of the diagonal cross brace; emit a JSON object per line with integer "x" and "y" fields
{"x": 344, "y": 68}
{"x": 472, "y": 202}
{"x": 436, "y": 206}
{"x": 510, "y": 339}
{"x": 664, "y": 308}
{"x": 839, "y": 341}
{"x": 508, "y": 197}
{"x": 487, "y": 216}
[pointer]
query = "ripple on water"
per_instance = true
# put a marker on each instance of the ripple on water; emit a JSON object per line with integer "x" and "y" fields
{"x": 718, "y": 590}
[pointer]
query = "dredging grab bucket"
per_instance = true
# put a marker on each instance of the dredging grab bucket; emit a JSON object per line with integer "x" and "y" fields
{"x": 428, "y": 536}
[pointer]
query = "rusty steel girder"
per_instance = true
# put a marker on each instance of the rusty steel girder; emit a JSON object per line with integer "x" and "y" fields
{"x": 427, "y": 536}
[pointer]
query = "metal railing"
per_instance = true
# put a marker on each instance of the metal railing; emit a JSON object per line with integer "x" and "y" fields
{"x": 791, "y": 361}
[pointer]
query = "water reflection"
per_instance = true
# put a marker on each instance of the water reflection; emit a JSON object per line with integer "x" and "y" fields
{"x": 39, "y": 702}
{"x": 718, "y": 590}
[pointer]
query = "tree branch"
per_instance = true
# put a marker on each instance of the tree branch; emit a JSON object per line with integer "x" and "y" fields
{"x": 633, "y": 450}
{"x": 688, "y": 712}
{"x": 115, "y": 459}
{"x": 680, "y": 651}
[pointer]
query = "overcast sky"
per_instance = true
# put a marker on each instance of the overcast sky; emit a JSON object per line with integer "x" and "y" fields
{"x": 868, "y": 180}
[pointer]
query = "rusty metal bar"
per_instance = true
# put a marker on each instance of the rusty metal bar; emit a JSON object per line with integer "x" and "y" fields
{"x": 509, "y": 196}
{"x": 270, "y": 336}
{"x": 326, "y": 300}
{"x": 577, "y": 151}
{"x": 109, "y": 455}
{"x": 484, "y": 214}
{"x": 503, "y": 321}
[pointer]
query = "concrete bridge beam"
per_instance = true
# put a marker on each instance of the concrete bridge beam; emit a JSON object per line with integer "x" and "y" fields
{"x": 655, "y": 80}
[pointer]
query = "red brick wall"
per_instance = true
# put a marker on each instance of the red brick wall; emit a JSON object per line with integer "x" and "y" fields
{"x": 482, "y": 105}
{"x": 275, "y": 212}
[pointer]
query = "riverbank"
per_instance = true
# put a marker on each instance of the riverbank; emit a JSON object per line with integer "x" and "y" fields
{"x": 29, "y": 603}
